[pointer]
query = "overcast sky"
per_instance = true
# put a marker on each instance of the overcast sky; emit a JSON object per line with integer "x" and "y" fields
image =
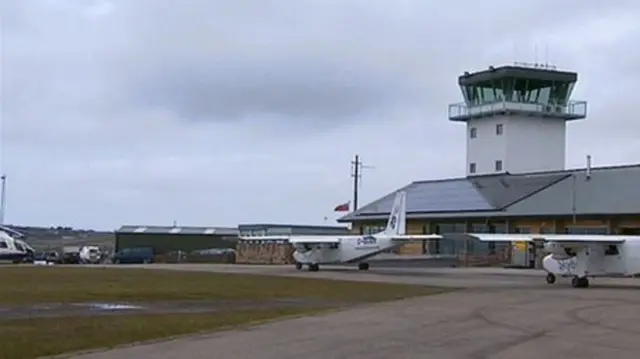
{"x": 224, "y": 112}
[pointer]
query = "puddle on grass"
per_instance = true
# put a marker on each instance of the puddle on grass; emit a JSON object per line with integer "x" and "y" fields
{"x": 67, "y": 309}
{"x": 49, "y": 310}
{"x": 109, "y": 306}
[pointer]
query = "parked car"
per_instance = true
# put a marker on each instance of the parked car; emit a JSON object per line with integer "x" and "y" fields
{"x": 134, "y": 255}
{"x": 47, "y": 258}
{"x": 71, "y": 258}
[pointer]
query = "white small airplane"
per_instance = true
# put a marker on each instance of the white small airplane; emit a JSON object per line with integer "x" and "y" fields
{"x": 13, "y": 249}
{"x": 581, "y": 256}
{"x": 315, "y": 250}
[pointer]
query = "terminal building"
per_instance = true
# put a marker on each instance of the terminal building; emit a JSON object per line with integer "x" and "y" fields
{"x": 516, "y": 181}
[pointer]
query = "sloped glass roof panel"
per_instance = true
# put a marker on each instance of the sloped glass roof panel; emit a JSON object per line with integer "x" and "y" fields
{"x": 504, "y": 190}
{"x": 445, "y": 196}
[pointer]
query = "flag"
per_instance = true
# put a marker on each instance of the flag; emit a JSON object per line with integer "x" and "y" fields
{"x": 342, "y": 207}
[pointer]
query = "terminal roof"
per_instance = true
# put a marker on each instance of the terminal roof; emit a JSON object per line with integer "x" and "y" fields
{"x": 608, "y": 190}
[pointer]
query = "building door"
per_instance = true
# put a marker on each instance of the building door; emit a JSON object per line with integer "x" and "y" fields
{"x": 519, "y": 254}
{"x": 520, "y": 251}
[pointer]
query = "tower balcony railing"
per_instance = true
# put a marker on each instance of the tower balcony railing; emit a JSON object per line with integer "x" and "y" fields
{"x": 573, "y": 110}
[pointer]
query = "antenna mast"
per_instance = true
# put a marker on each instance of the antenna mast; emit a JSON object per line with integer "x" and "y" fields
{"x": 356, "y": 173}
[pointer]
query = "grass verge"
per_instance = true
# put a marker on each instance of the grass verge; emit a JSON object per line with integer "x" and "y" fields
{"x": 30, "y": 285}
{"x": 37, "y": 337}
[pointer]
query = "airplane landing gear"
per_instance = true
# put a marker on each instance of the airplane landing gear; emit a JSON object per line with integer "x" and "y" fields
{"x": 314, "y": 267}
{"x": 298, "y": 266}
{"x": 551, "y": 278}
{"x": 363, "y": 266}
{"x": 580, "y": 282}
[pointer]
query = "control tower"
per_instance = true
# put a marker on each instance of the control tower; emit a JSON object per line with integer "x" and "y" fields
{"x": 516, "y": 118}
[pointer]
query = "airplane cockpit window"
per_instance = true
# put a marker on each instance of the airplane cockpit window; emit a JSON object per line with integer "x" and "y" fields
{"x": 3, "y": 244}
{"x": 19, "y": 247}
{"x": 612, "y": 250}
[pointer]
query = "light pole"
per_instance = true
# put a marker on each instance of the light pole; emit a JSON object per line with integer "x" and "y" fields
{"x": 3, "y": 198}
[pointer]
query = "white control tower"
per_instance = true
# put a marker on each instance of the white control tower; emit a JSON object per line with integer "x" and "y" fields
{"x": 516, "y": 118}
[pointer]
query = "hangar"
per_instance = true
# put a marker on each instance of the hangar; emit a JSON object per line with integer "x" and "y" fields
{"x": 166, "y": 239}
{"x": 516, "y": 180}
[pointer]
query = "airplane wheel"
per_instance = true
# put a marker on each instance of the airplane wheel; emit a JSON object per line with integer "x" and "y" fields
{"x": 298, "y": 265}
{"x": 584, "y": 282}
{"x": 551, "y": 278}
{"x": 363, "y": 266}
{"x": 579, "y": 282}
{"x": 314, "y": 267}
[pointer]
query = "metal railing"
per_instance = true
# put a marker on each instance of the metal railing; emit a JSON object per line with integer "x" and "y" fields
{"x": 572, "y": 110}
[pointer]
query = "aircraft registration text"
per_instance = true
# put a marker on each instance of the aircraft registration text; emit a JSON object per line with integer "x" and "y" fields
{"x": 568, "y": 265}
{"x": 367, "y": 242}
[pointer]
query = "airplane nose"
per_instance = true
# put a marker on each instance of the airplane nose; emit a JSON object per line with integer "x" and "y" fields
{"x": 549, "y": 264}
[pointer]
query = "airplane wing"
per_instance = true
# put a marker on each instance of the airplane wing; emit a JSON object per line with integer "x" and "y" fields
{"x": 564, "y": 238}
{"x": 415, "y": 237}
{"x": 265, "y": 238}
{"x": 295, "y": 239}
{"x": 314, "y": 240}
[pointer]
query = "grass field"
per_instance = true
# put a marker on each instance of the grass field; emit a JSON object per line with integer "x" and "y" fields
{"x": 34, "y": 337}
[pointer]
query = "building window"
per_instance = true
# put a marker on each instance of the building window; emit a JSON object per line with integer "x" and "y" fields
{"x": 546, "y": 230}
{"x": 586, "y": 230}
{"x": 499, "y": 129}
{"x": 372, "y": 229}
{"x": 472, "y": 167}
{"x": 496, "y": 227}
{"x": 473, "y": 132}
{"x": 498, "y": 166}
{"x": 447, "y": 228}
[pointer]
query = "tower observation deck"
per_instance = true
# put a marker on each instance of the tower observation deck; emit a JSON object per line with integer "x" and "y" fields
{"x": 516, "y": 117}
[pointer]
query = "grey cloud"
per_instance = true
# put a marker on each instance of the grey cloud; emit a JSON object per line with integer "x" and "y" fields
{"x": 304, "y": 91}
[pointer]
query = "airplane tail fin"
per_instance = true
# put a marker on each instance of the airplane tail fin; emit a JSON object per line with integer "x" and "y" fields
{"x": 397, "y": 223}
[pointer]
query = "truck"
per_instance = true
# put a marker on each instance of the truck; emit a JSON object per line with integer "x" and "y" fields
{"x": 90, "y": 255}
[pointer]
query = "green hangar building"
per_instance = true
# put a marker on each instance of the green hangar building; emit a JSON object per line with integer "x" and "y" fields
{"x": 166, "y": 239}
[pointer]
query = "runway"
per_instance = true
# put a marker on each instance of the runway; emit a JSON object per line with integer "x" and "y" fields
{"x": 510, "y": 314}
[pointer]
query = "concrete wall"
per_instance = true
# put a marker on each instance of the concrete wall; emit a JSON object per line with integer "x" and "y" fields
{"x": 267, "y": 252}
{"x": 527, "y": 144}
